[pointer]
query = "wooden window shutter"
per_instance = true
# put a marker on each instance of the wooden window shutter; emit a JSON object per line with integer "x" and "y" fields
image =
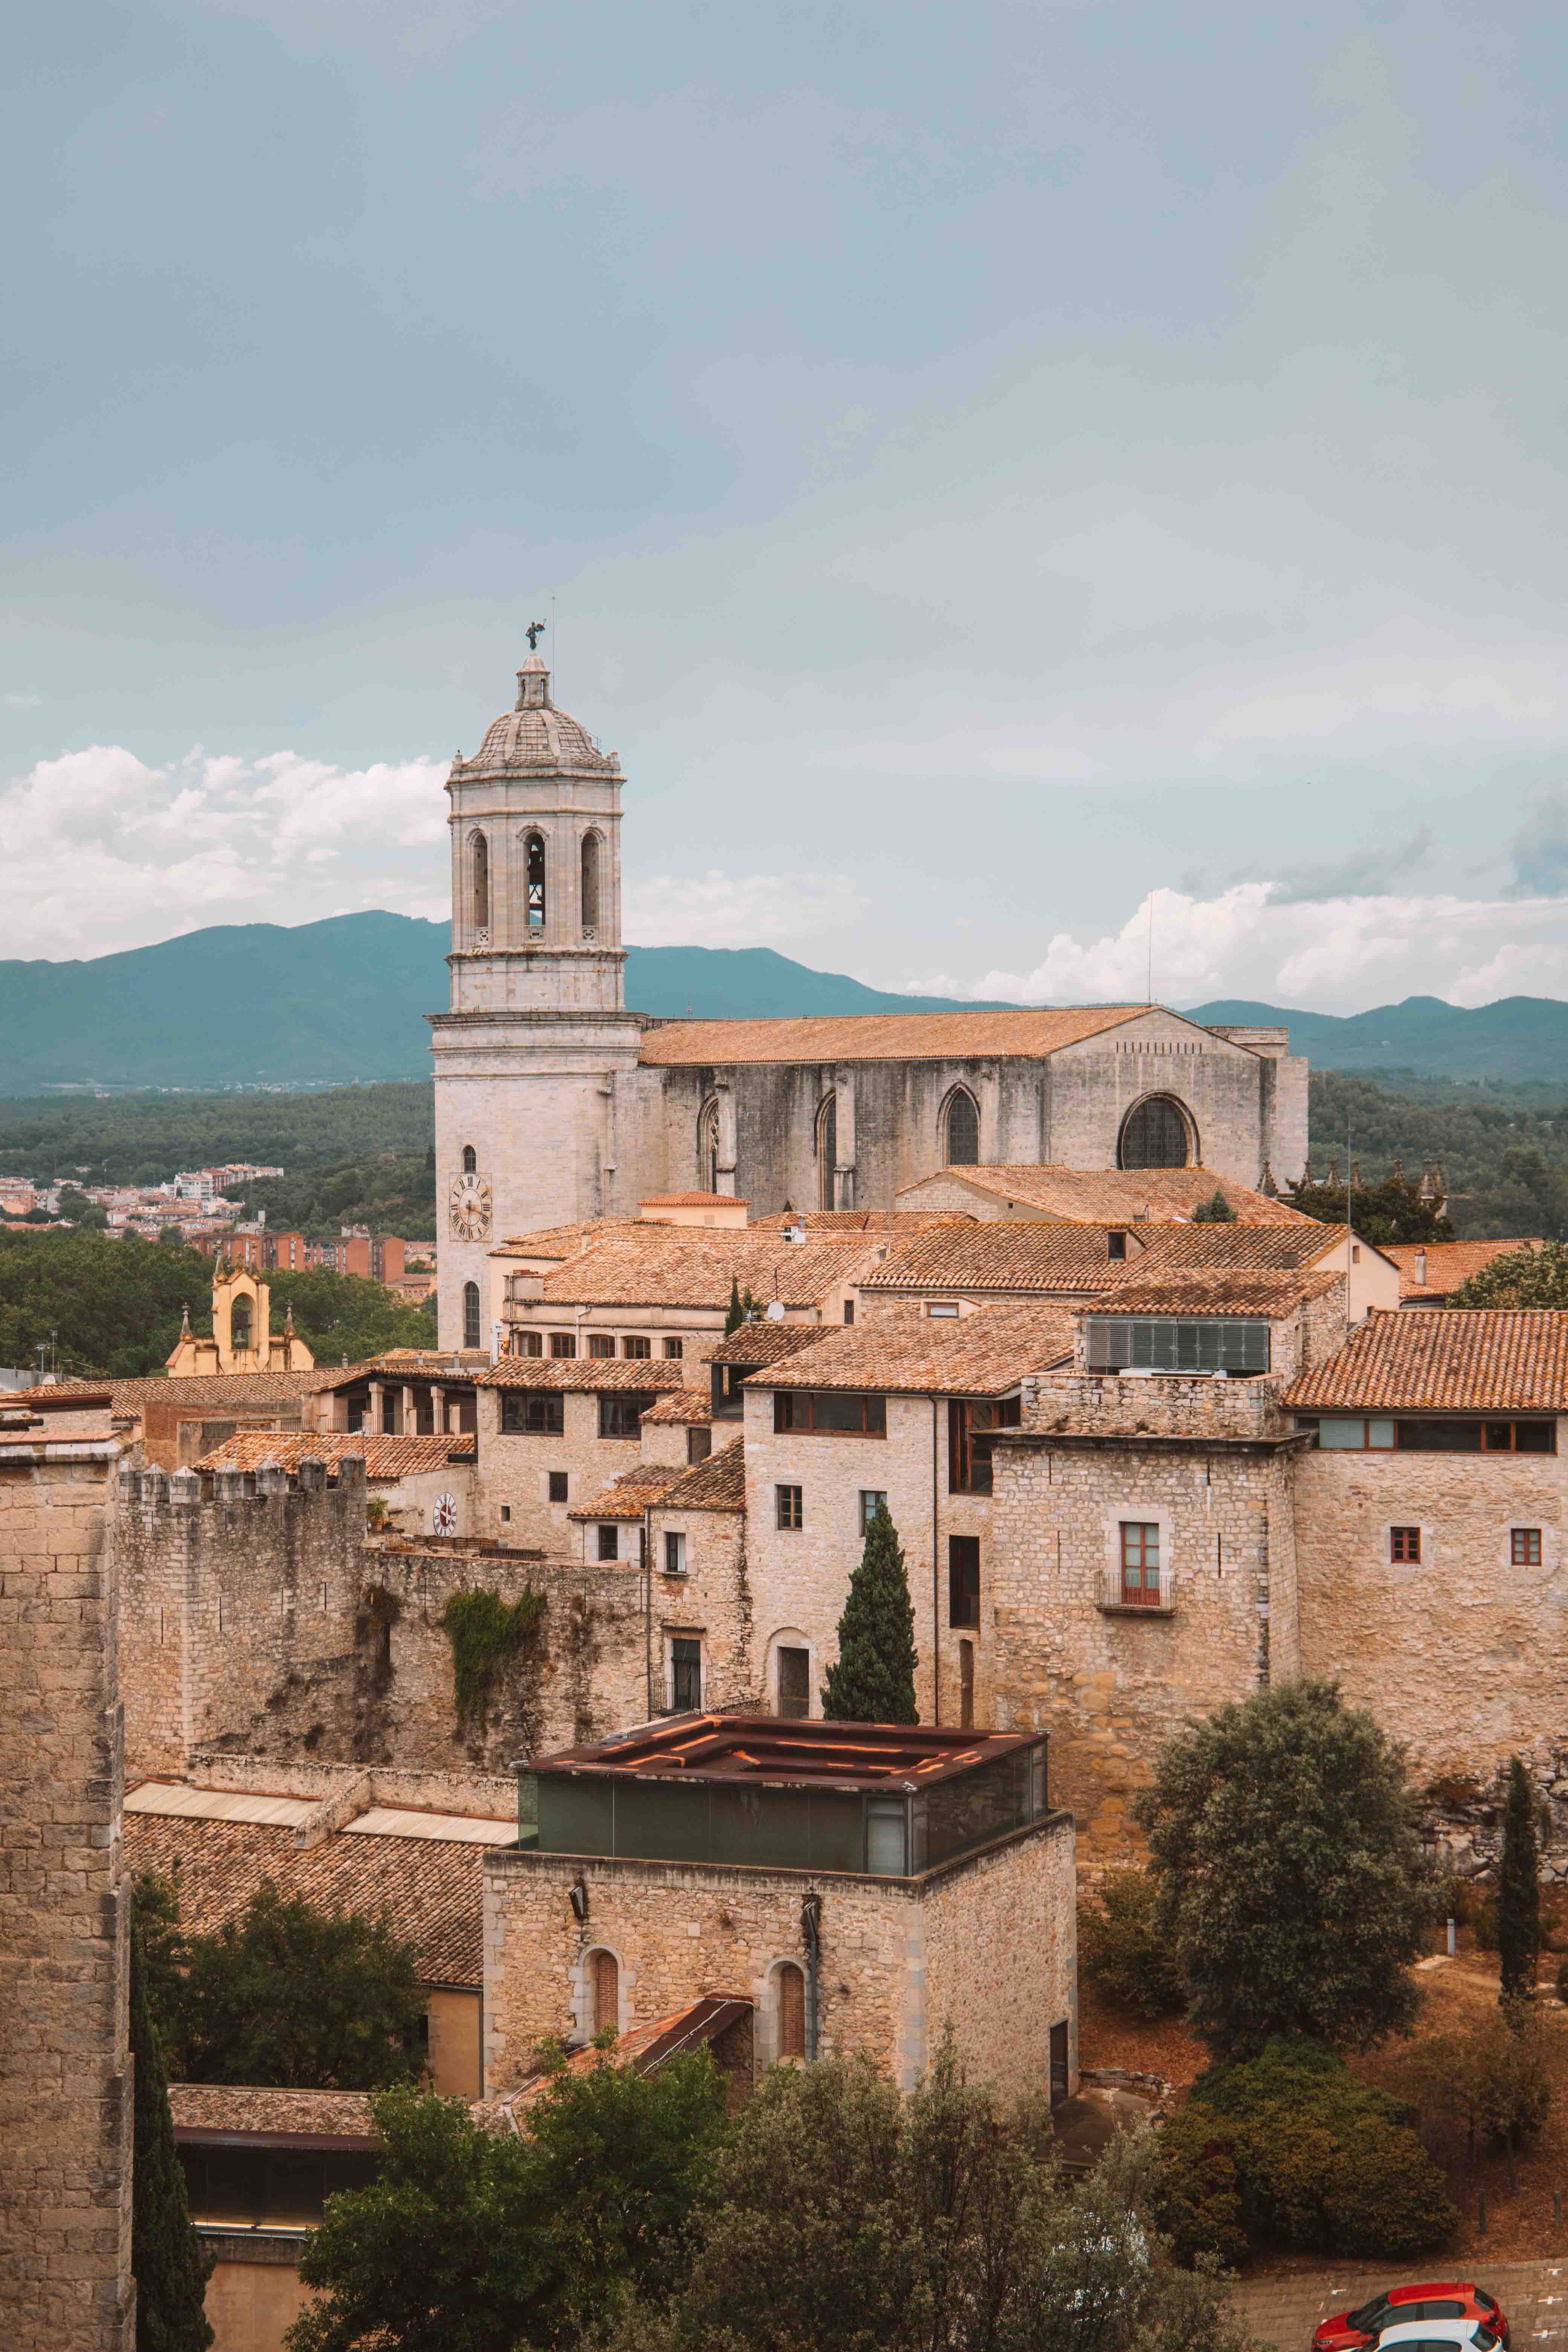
{"x": 791, "y": 2012}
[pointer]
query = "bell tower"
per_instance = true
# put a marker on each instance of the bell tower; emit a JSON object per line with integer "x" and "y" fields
{"x": 537, "y": 1054}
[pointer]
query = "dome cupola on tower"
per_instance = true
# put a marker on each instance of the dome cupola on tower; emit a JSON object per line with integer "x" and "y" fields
{"x": 535, "y": 739}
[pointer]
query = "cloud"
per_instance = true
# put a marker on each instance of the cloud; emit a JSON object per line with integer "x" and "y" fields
{"x": 1540, "y": 849}
{"x": 739, "y": 910}
{"x": 1329, "y": 953}
{"x": 104, "y": 851}
{"x": 1362, "y": 873}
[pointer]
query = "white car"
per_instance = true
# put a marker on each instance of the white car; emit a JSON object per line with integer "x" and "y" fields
{"x": 1439, "y": 2335}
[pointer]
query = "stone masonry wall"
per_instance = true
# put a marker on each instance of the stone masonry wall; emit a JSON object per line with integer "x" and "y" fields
{"x": 67, "y": 2104}
{"x": 1022, "y": 1901}
{"x": 712, "y": 1603}
{"x": 1112, "y": 1682}
{"x": 1462, "y": 1655}
{"x": 679, "y": 1930}
{"x": 235, "y": 1589}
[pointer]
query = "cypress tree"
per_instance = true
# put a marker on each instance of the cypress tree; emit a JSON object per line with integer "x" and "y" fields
{"x": 1519, "y": 1891}
{"x": 736, "y": 1316}
{"x": 874, "y": 1680}
{"x": 165, "y": 2253}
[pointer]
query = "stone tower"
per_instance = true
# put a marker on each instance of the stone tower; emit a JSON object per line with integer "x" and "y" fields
{"x": 536, "y": 1061}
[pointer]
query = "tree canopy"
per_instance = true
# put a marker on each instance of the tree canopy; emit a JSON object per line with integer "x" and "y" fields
{"x": 473, "y": 2240}
{"x": 1283, "y": 1840}
{"x": 114, "y": 1305}
{"x": 166, "y": 2256}
{"x": 873, "y": 1680}
{"x": 1520, "y": 1277}
{"x": 286, "y": 1995}
{"x": 1391, "y": 1210}
{"x": 1519, "y": 1891}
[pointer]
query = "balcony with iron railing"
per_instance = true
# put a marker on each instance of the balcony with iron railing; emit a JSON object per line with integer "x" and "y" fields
{"x": 1136, "y": 1592}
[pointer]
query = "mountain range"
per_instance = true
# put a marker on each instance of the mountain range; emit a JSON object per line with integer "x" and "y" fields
{"x": 324, "y": 1003}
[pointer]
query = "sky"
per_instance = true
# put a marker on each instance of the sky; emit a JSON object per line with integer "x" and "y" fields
{"x": 1037, "y": 493}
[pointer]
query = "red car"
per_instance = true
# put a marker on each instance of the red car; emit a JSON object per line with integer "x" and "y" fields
{"x": 1356, "y": 2331}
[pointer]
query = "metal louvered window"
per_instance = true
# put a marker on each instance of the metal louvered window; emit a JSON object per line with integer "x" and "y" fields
{"x": 1168, "y": 1343}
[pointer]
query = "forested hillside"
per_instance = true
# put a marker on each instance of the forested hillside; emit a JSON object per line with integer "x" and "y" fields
{"x": 1504, "y": 1154}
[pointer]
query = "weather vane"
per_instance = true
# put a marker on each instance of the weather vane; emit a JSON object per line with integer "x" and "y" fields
{"x": 533, "y": 632}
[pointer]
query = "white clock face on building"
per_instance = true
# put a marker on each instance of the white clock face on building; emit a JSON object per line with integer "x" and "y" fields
{"x": 444, "y": 1516}
{"x": 468, "y": 1208}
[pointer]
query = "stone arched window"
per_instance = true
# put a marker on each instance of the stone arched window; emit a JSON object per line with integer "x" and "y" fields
{"x": 961, "y": 1137}
{"x": 479, "y": 867}
{"x": 533, "y": 879}
{"x": 789, "y": 1992}
{"x": 472, "y": 1315}
{"x": 604, "y": 1992}
{"x": 470, "y": 1160}
{"x": 708, "y": 1145}
{"x": 826, "y": 1152}
{"x": 590, "y": 886}
{"x": 1157, "y": 1133}
{"x": 239, "y": 1324}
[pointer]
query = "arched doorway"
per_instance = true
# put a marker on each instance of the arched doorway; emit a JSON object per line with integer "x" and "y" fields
{"x": 1156, "y": 1133}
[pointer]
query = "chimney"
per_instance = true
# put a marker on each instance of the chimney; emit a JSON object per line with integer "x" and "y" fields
{"x": 1421, "y": 1267}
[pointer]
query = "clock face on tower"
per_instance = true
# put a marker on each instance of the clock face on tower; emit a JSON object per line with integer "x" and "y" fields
{"x": 468, "y": 1208}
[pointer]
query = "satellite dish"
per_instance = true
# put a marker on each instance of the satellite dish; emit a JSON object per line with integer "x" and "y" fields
{"x": 776, "y": 1312}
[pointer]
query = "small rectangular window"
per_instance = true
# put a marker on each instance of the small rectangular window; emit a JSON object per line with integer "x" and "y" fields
{"x": 636, "y": 1345}
{"x": 791, "y": 1513}
{"x": 505, "y": 1514}
{"x": 1405, "y": 1544}
{"x": 1526, "y": 1547}
{"x": 558, "y": 1486}
{"x": 830, "y": 1411}
{"x": 849, "y": 1310}
{"x": 1140, "y": 1563}
{"x": 533, "y": 1344}
{"x": 621, "y": 1416}
{"x": 674, "y": 1554}
{"x": 871, "y": 1499}
{"x": 1535, "y": 1436}
{"x": 698, "y": 1445}
{"x": 675, "y": 1349}
{"x": 963, "y": 1580}
{"x": 601, "y": 1344}
{"x": 1116, "y": 1245}
{"x": 608, "y": 1548}
{"x": 885, "y": 1837}
{"x": 563, "y": 1343}
{"x": 530, "y": 1413}
{"x": 943, "y": 1310}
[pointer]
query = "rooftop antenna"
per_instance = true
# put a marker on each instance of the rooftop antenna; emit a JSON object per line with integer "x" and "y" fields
{"x": 1150, "y": 998}
{"x": 1350, "y": 1193}
{"x": 554, "y": 662}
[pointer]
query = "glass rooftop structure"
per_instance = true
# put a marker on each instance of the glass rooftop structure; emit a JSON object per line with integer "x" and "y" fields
{"x": 888, "y": 1800}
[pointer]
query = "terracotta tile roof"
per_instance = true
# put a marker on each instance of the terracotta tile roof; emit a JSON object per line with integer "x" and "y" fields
{"x": 643, "y": 1377}
{"x": 384, "y": 1457}
{"x": 895, "y": 1222}
{"x": 1459, "y": 1359}
{"x": 431, "y": 1887}
{"x": 444, "y": 1366}
{"x": 203, "y": 1389}
{"x": 1300, "y": 1243}
{"x": 628, "y": 1497}
{"x": 643, "y": 2048}
{"x": 271, "y": 2115}
{"x": 716, "y": 1485}
{"x": 565, "y": 1241}
{"x": 692, "y": 1266}
{"x": 1194, "y": 1291}
{"x": 693, "y": 1408}
{"x": 1115, "y": 1196}
{"x": 765, "y": 1343}
{"x": 693, "y": 1200}
{"x": 880, "y": 1037}
{"x": 983, "y": 1354}
{"x": 1448, "y": 1263}
{"x": 999, "y": 1255}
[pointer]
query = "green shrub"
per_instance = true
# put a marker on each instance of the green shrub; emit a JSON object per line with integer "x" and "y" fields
{"x": 1122, "y": 1947}
{"x": 1291, "y": 2153}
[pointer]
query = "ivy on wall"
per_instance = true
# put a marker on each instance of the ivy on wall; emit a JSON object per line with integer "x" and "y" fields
{"x": 487, "y": 1635}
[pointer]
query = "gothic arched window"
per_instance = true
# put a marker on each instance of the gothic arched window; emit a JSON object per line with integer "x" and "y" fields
{"x": 533, "y": 855}
{"x": 481, "y": 854}
{"x": 826, "y": 1152}
{"x": 590, "y": 884}
{"x": 1156, "y": 1133}
{"x": 708, "y": 1148}
{"x": 963, "y": 1130}
{"x": 470, "y": 1160}
{"x": 472, "y": 1315}
{"x": 791, "y": 1987}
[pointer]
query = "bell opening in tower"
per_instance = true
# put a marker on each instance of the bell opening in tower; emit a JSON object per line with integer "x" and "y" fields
{"x": 535, "y": 848}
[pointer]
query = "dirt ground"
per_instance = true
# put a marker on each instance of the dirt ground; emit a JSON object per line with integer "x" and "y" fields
{"x": 1521, "y": 2222}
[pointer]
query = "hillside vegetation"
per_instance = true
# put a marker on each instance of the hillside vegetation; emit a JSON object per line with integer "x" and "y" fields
{"x": 1504, "y": 1154}
{"x": 100, "y": 1306}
